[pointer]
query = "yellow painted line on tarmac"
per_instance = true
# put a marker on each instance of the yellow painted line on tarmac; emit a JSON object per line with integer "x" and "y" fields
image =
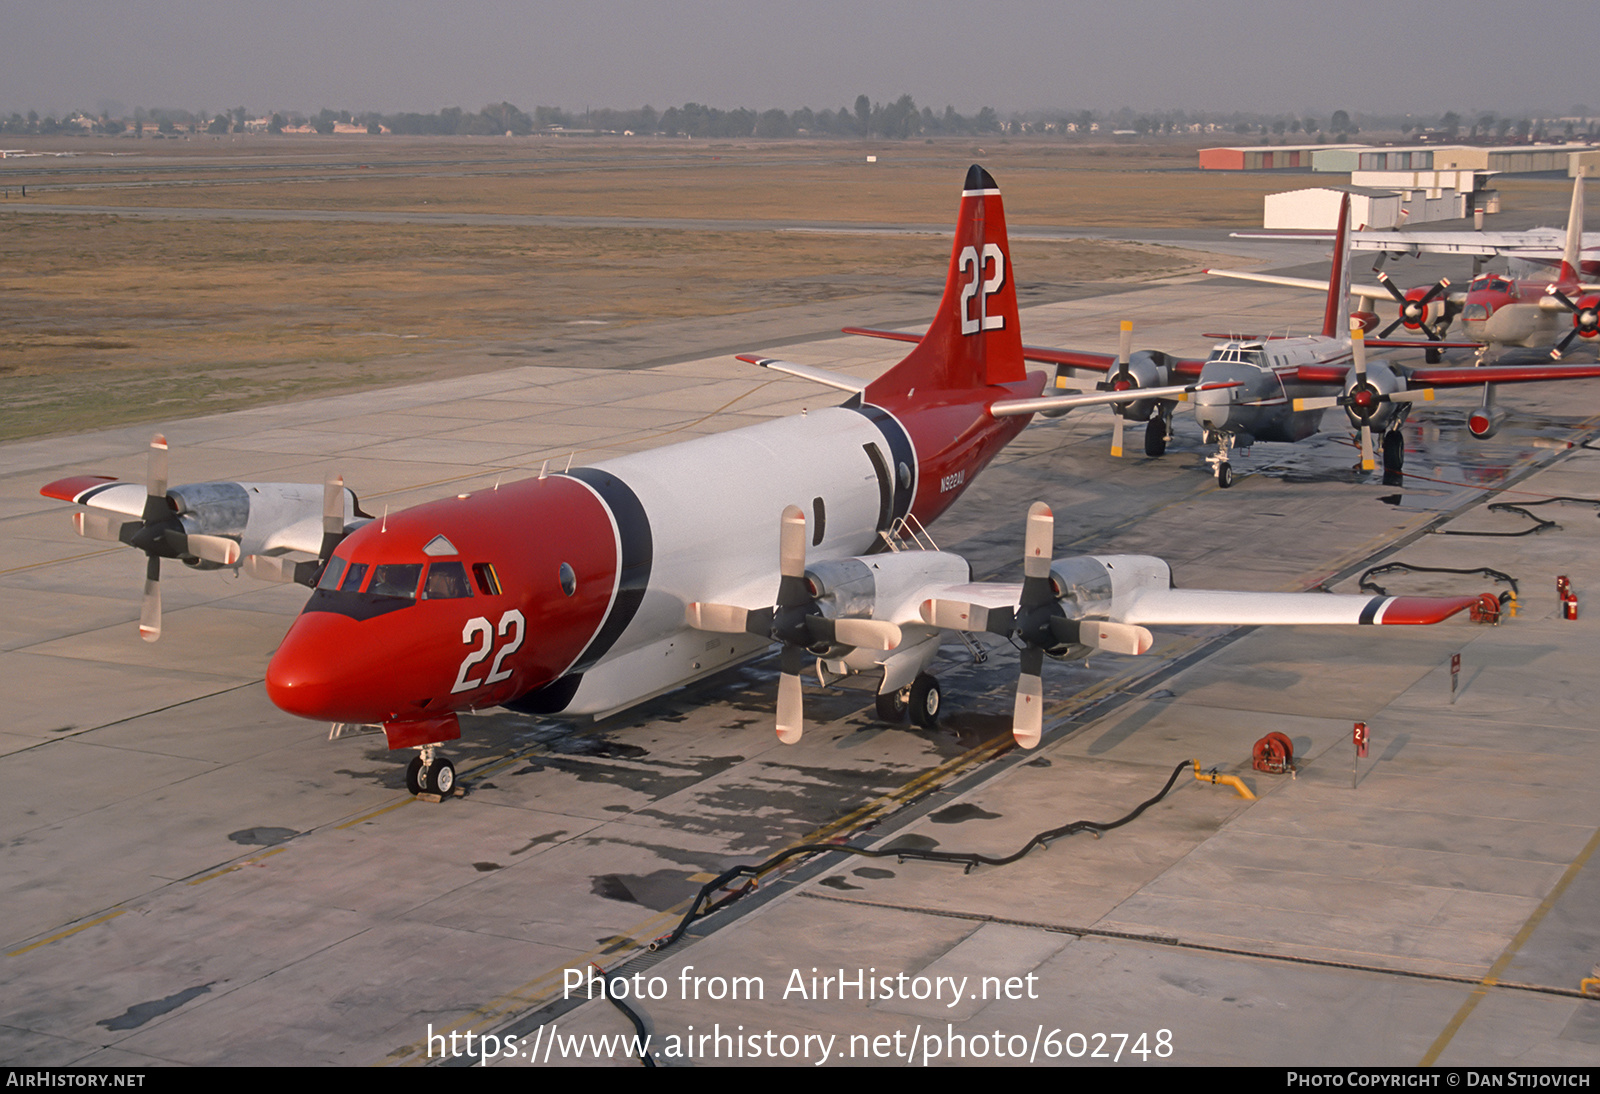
{"x": 68, "y": 933}
{"x": 235, "y": 866}
{"x": 55, "y": 561}
{"x": 1511, "y": 950}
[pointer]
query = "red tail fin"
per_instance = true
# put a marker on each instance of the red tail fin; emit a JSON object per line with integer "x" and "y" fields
{"x": 974, "y": 340}
{"x": 1336, "y": 312}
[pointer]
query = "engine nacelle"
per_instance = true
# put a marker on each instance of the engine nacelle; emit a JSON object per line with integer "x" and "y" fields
{"x": 1147, "y": 368}
{"x": 1093, "y": 587}
{"x": 1366, "y": 401}
{"x": 1484, "y": 422}
{"x": 879, "y": 586}
{"x": 1586, "y": 319}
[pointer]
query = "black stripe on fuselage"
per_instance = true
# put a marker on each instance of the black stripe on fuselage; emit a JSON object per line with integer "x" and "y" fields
{"x": 901, "y": 454}
{"x": 638, "y": 555}
{"x": 1370, "y": 612}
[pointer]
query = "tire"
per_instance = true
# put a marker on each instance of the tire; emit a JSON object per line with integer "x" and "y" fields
{"x": 1224, "y": 474}
{"x": 1155, "y": 437}
{"x": 441, "y": 777}
{"x": 1394, "y": 451}
{"x": 925, "y": 701}
{"x": 891, "y": 707}
{"x": 414, "y": 775}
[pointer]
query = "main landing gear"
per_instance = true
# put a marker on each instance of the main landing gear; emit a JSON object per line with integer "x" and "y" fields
{"x": 1394, "y": 450}
{"x": 1157, "y": 431}
{"x": 921, "y": 700}
{"x": 430, "y": 773}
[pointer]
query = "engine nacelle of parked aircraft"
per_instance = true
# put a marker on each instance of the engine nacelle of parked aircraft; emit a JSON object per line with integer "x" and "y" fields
{"x": 1484, "y": 422}
{"x": 1148, "y": 368}
{"x": 1367, "y": 397}
{"x": 1092, "y": 587}
{"x": 875, "y": 586}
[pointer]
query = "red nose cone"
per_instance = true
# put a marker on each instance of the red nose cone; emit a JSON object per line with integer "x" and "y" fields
{"x": 329, "y": 669}
{"x": 1363, "y": 399}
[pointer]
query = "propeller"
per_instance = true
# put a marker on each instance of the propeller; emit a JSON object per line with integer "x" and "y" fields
{"x": 1414, "y": 307}
{"x": 796, "y": 621}
{"x": 159, "y": 533}
{"x": 1364, "y": 398}
{"x": 1585, "y": 318}
{"x": 1042, "y": 625}
{"x": 1121, "y": 380}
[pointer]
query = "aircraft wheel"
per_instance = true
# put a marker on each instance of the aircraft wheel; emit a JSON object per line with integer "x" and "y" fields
{"x": 441, "y": 777}
{"x": 1433, "y": 356}
{"x": 414, "y": 775}
{"x": 1394, "y": 451}
{"x": 1155, "y": 437}
{"x": 925, "y": 701}
{"x": 1224, "y": 474}
{"x": 892, "y": 707}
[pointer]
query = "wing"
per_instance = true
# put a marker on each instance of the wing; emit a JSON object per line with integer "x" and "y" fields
{"x": 1366, "y": 292}
{"x": 1079, "y": 360}
{"x": 1193, "y": 607}
{"x": 1499, "y": 374}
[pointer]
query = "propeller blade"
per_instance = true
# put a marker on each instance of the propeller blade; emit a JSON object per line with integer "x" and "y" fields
{"x": 1399, "y": 297}
{"x": 1321, "y": 403}
{"x": 1115, "y": 637}
{"x": 869, "y": 634}
{"x": 1367, "y": 462}
{"x": 1027, "y": 716}
{"x": 1124, "y": 348}
{"x": 150, "y": 606}
{"x": 1561, "y": 346}
{"x": 156, "y": 475}
{"x": 721, "y": 618}
{"x": 274, "y": 568}
{"x": 1435, "y": 292}
{"x": 1358, "y": 351}
{"x": 958, "y": 615}
{"x": 1421, "y": 395}
{"x": 792, "y": 543}
{"x": 1039, "y": 541}
{"x": 217, "y": 549}
{"x": 91, "y": 524}
{"x": 791, "y": 707}
{"x": 1116, "y": 432}
{"x": 1390, "y": 328}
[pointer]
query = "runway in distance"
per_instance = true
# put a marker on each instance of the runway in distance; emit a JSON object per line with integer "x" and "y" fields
{"x": 1496, "y": 310}
{"x": 587, "y": 591}
{"x": 1276, "y": 389}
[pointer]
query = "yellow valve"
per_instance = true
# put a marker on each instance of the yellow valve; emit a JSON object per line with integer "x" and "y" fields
{"x": 1226, "y": 780}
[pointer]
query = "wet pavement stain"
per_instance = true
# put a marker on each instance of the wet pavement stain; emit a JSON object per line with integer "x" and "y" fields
{"x": 486, "y": 867}
{"x": 140, "y": 1013}
{"x": 262, "y": 837}
{"x": 963, "y": 811}
{"x": 839, "y": 883}
{"x": 911, "y": 842}
{"x": 873, "y": 873}
{"x": 658, "y": 891}
{"x": 539, "y": 841}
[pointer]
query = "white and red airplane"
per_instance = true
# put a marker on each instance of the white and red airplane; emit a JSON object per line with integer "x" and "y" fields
{"x": 1275, "y": 389}
{"x": 1495, "y": 310}
{"x": 591, "y": 590}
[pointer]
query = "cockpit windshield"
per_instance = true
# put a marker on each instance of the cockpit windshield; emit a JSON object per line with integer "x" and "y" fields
{"x": 1237, "y": 354}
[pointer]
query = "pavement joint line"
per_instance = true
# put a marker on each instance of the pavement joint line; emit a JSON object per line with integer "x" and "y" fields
{"x": 58, "y": 561}
{"x": 1205, "y": 947}
{"x": 1492, "y": 978}
{"x": 70, "y": 931}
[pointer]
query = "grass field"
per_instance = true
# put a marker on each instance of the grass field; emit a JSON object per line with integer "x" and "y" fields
{"x": 108, "y": 319}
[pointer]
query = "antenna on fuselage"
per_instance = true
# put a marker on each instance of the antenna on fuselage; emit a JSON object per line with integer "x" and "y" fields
{"x": 384, "y": 527}
{"x": 544, "y": 472}
{"x": 570, "y": 456}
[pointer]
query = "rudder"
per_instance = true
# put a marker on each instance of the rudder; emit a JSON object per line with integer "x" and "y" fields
{"x": 975, "y": 339}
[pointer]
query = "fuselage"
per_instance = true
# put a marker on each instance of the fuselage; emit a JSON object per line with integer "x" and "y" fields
{"x": 1267, "y": 371}
{"x": 568, "y": 592}
{"x": 1503, "y": 311}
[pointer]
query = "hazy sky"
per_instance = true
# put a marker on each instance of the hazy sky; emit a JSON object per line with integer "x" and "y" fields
{"x": 1295, "y": 56}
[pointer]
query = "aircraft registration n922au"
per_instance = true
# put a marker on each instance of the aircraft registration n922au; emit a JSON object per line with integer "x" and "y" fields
{"x": 588, "y": 591}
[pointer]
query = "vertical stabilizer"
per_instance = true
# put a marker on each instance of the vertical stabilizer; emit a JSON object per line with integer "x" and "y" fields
{"x": 974, "y": 340}
{"x": 1336, "y": 312}
{"x": 1572, "y": 254}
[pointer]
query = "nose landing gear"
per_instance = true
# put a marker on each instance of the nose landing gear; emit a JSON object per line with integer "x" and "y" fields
{"x": 430, "y": 773}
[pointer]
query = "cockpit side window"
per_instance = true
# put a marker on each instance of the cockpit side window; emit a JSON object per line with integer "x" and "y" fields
{"x": 487, "y": 580}
{"x": 353, "y": 578}
{"x": 396, "y": 579}
{"x": 446, "y": 581}
{"x": 333, "y": 572}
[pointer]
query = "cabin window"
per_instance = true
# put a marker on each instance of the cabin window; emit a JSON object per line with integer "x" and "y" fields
{"x": 569, "y": 579}
{"x": 487, "y": 580}
{"x": 446, "y": 581}
{"x": 396, "y": 579}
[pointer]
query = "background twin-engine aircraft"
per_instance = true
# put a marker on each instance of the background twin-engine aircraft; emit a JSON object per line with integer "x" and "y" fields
{"x": 591, "y": 590}
{"x": 1496, "y": 310}
{"x": 1276, "y": 389}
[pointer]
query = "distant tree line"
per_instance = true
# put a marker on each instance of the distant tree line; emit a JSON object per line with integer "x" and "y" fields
{"x": 901, "y": 119}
